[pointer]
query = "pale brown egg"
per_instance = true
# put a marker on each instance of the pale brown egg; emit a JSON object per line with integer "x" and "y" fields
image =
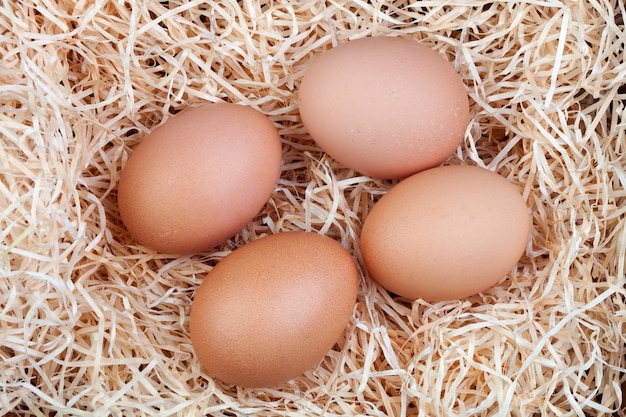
{"x": 386, "y": 107}
{"x": 445, "y": 233}
{"x": 272, "y": 309}
{"x": 199, "y": 178}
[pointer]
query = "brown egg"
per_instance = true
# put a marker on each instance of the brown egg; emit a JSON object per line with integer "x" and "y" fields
{"x": 273, "y": 308}
{"x": 199, "y": 178}
{"x": 386, "y": 107}
{"x": 445, "y": 233}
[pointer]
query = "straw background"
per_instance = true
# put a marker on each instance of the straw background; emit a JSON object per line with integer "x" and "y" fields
{"x": 92, "y": 324}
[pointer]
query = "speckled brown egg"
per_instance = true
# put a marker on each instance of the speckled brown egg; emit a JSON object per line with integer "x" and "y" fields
{"x": 445, "y": 233}
{"x": 384, "y": 106}
{"x": 272, "y": 309}
{"x": 199, "y": 178}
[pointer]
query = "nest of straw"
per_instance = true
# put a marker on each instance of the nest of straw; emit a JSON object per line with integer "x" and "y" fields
{"x": 93, "y": 324}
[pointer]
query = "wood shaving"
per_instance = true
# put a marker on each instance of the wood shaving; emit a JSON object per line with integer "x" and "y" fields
{"x": 92, "y": 324}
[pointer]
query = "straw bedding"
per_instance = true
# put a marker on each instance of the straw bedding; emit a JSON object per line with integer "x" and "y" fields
{"x": 93, "y": 324}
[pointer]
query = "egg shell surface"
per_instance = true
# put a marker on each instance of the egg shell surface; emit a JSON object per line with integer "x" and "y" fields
{"x": 271, "y": 309}
{"x": 199, "y": 178}
{"x": 445, "y": 233}
{"x": 384, "y": 106}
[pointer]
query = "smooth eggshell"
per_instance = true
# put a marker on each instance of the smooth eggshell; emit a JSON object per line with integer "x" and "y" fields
{"x": 272, "y": 308}
{"x": 199, "y": 178}
{"x": 386, "y": 107}
{"x": 445, "y": 233}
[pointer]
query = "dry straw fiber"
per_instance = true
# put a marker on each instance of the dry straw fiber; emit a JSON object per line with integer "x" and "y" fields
{"x": 92, "y": 324}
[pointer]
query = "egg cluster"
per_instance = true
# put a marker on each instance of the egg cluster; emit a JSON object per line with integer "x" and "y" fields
{"x": 386, "y": 107}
